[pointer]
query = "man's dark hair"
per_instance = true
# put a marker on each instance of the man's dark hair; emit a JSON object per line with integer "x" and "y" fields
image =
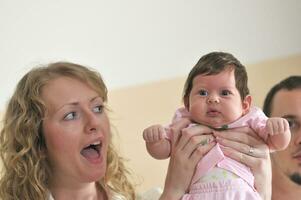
{"x": 290, "y": 83}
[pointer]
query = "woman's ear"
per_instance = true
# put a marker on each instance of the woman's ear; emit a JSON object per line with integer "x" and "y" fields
{"x": 246, "y": 104}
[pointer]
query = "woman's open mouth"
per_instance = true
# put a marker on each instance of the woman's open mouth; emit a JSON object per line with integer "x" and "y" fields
{"x": 92, "y": 151}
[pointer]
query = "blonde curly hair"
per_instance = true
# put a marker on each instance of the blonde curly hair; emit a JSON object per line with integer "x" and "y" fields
{"x": 25, "y": 171}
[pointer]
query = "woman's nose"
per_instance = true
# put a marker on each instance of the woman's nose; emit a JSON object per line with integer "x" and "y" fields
{"x": 91, "y": 122}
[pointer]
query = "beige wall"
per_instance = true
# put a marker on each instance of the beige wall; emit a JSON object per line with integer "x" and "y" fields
{"x": 138, "y": 107}
{"x": 264, "y": 75}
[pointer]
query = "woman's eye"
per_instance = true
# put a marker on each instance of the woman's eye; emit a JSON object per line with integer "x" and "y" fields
{"x": 225, "y": 93}
{"x": 98, "y": 109}
{"x": 203, "y": 93}
{"x": 70, "y": 116}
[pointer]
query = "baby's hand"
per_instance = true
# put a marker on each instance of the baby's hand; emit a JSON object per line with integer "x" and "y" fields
{"x": 277, "y": 125}
{"x": 154, "y": 133}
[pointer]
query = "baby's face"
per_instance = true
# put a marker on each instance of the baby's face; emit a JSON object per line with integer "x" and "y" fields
{"x": 214, "y": 99}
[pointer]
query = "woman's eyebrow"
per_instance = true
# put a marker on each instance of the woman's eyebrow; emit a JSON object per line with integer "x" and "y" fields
{"x": 96, "y": 98}
{"x": 75, "y": 103}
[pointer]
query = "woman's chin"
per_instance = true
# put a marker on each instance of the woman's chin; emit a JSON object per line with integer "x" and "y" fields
{"x": 97, "y": 174}
{"x": 94, "y": 177}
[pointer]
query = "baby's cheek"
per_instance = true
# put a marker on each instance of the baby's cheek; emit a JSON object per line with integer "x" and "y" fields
{"x": 196, "y": 115}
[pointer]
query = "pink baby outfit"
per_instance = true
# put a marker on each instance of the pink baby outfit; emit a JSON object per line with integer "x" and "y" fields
{"x": 238, "y": 188}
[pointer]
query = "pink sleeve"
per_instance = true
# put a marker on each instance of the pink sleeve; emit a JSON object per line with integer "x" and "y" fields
{"x": 258, "y": 123}
{"x": 255, "y": 119}
{"x": 179, "y": 114}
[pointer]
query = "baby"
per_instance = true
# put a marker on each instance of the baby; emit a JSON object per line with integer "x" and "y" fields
{"x": 216, "y": 95}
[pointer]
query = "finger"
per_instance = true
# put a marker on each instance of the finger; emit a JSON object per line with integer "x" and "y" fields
{"x": 286, "y": 125}
{"x": 152, "y": 137}
{"x": 240, "y": 136}
{"x": 176, "y": 128}
{"x": 274, "y": 127}
{"x": 189, "y": 132}
{"x": 279, "y": 127}
{"x": 200, "y": 129}
{"x": 156, "y": 134}
{"x": 195, "y": 142}
{"x": 200, "y": 151}
{"x": 146, "y": 135}
{"x": 270, "y": 128}
{"x": 161, "y": 132}
{"x": 257, "y": 151}
{"x": 248, "y": 160}
{"x": 282, "y": 126}
{"x": 238, "y": 131}
{"x": 238, "y": 156}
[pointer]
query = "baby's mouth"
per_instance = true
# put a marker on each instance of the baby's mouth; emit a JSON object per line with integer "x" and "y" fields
{"x": 92, "y": 151}
{"x": 213, "y": 112}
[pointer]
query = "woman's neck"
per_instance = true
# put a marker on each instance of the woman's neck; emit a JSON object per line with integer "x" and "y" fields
{"x": 63, "y": 190}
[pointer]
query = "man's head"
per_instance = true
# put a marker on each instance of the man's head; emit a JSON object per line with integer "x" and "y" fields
{"x": 284, "y": 100}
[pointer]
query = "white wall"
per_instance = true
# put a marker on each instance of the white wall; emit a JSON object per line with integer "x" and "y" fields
{"x": 134, "y": 41}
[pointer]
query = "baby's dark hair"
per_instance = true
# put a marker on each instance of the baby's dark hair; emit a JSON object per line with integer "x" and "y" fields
{"x": 214, "y": 63}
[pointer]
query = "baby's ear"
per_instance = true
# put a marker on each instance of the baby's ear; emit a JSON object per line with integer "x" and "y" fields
{"x": 246, "y": 104}
{"x": 186, "y": 102}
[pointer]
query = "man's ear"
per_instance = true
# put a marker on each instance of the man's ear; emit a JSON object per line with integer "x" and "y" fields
{"x": 246, "y": 104}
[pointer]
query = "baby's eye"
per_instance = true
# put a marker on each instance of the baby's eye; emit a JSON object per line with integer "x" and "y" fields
{"x": 225, "y": 92}
{"x": 70, "y": 116}
{"x": 203, "y": 93}
{"x": 293, "y": 124}
{"x": 98, "y": 109}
